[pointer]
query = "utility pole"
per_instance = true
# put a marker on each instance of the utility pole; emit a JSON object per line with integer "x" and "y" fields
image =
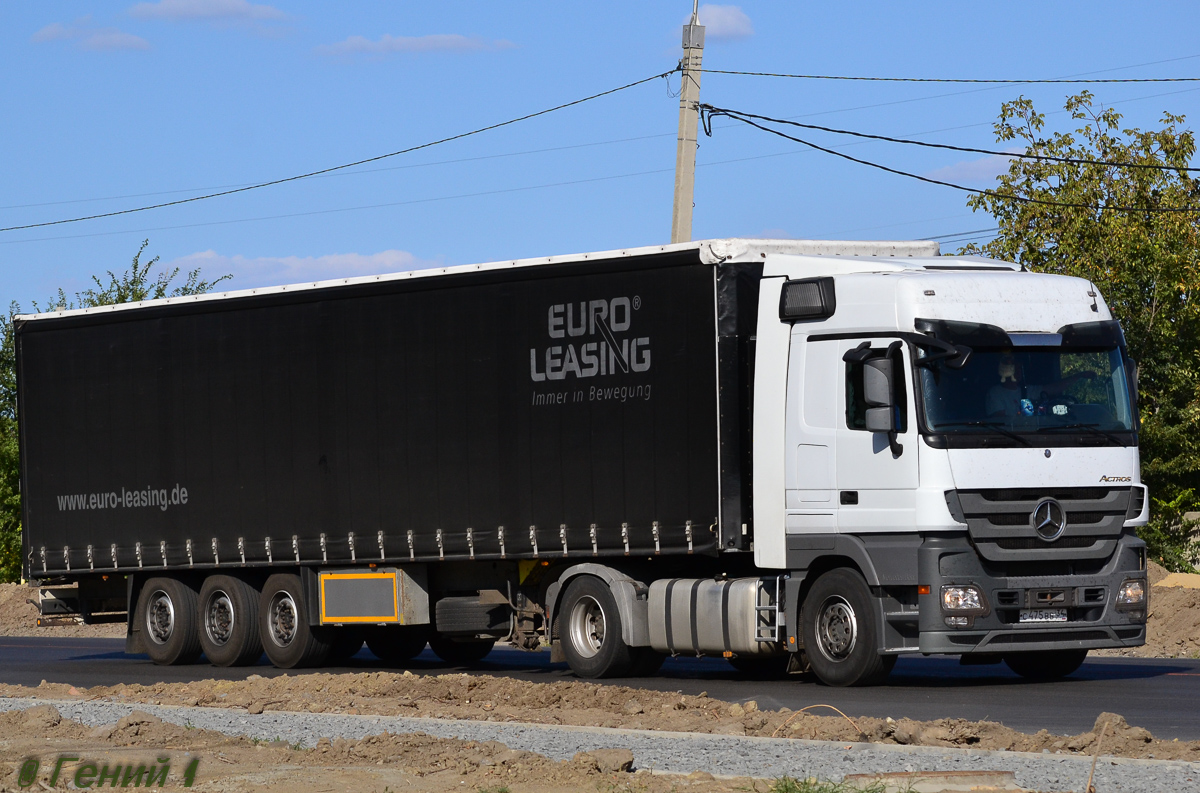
{"x": 685, "y": 150}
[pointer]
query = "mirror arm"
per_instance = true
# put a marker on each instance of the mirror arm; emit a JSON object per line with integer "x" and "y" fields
{"x": 896, "y": 446}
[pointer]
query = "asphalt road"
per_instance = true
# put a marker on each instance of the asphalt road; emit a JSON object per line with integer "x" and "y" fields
{"x": 1162, "y": 695}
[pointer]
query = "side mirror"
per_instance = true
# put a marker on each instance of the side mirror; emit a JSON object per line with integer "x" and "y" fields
{"x": 878, "y": 394}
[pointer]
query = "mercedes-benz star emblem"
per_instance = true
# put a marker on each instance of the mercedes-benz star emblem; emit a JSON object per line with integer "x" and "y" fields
{"x": 1049, "y": 520}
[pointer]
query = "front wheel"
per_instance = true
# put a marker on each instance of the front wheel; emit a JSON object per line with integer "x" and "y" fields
{"x": 287, "y": 638}
{"x": 840, "y": 636}
{"x": 1046, "y": 664}
{"x": 590, "y": 631}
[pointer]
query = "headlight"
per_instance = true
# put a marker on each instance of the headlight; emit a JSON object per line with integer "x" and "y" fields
{"x": 961, "y": 598}
{"x": 1131, "y": 593}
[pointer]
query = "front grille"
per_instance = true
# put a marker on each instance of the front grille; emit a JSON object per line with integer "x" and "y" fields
{"x": 1000, "y": 520}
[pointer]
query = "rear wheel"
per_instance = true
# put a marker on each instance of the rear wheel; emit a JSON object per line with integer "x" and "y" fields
{"x": 287, "y": 638}
{"x": 460, "y": 652}
{"x": 166, "y": 615}
{"x": 591, "y": 631}
{"x": 839, "y": 631}
{"x": 397, "y": 645}
{"x": 1046, "y": 664}
{"x": 229, "y": 621}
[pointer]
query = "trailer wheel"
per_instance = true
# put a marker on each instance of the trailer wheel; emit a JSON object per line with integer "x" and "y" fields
{"x": 839, "y": 631}
{"x": 591, "y": 630}
{"x": 228, "y": 621}
{"x": 1045, "y": 664}
{"x": 287, "y": 638}
{"x": 460, "y": 652}
{"x": 166, "y": 614}
{"x": 398, "y": 645}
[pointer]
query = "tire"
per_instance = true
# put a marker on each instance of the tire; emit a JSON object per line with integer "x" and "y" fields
{"x": 166, "y": 615}
{"x": 590, "y": 628}
{"x": 772, "y": 667}
{"x": 1046, "y": 664}
{"x": 397, "y": 645}
{"x": 840, "y": 633}
{"x": 344, "y": 643}
{"x": 228, "y": 621}
{"x": 465, "y": 652}
{"x": 287, "y": 638}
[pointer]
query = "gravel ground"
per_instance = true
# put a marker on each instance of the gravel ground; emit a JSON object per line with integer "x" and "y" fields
{"x": 666, "y": 751}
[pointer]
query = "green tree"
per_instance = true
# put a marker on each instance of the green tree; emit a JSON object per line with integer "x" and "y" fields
{"x": 1128, "y": 230}
{"x": 131, "y": 286}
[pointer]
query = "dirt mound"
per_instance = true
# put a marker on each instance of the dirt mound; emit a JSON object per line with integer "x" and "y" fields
{"x": 18, "y": 617}
{"x": 480, "y": 697}
{"x": 1173, "y": 624}
{"x": 415, "y": 761}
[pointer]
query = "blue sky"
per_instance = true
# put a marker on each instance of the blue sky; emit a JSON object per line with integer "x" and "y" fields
{"x": 108, "y": 105}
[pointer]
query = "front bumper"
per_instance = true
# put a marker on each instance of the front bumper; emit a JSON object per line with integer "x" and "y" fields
{"x": 1087, "y": 590}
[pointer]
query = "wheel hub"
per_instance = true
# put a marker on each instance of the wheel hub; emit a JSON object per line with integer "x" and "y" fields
{"x": 586, "y": 626}
{"x": 160, "y": 617}
{"x": 282, "y": 619}
{"x": 837, "y": 629}
{"x": 219, "y": 618}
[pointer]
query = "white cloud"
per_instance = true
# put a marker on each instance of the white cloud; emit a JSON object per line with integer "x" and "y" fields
{"x": 724, "y": 23}
{"x": 249, "y": 272}
{"x": 386, "y": 44}
{"x": 984, "y": 169}
{"x": 87, "y": 37}
{"x": 209, "y": 10}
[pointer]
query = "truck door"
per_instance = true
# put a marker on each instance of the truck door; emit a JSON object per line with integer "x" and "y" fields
{"x": 811, "y": 498}
{"x": 876, "y": 489}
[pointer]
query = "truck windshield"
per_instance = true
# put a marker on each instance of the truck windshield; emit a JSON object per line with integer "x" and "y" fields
{"x": 1030, "y": 390}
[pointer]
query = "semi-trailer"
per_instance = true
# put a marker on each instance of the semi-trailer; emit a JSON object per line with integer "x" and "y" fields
{"x": 793, "y": 454}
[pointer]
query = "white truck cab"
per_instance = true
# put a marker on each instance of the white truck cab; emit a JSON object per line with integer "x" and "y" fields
{"x": 964, "y": 435}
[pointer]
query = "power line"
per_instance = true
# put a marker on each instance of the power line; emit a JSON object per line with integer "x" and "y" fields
{"x": 355, "y": 173}
{"x": 992, "y": 193}
{"x": 963, "y": 234}
{"x": 410, "y": 202}
{"x": 322, "y": 171}
{"x": 717, "y": 111}
{"x": 957, "y": 79}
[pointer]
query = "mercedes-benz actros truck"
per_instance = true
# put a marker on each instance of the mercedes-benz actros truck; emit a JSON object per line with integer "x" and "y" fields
{"x": 802, "y": 455}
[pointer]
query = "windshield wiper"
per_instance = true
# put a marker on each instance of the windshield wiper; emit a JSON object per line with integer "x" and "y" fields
{"x": 1089, "y": 427}
{"x": 993, "y": 425}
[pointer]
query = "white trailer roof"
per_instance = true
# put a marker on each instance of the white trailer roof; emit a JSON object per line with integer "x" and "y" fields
{"x": 711, "y": 252}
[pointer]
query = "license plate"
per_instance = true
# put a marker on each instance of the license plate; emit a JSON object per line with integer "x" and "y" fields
{"x": 1043, "y": 615}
